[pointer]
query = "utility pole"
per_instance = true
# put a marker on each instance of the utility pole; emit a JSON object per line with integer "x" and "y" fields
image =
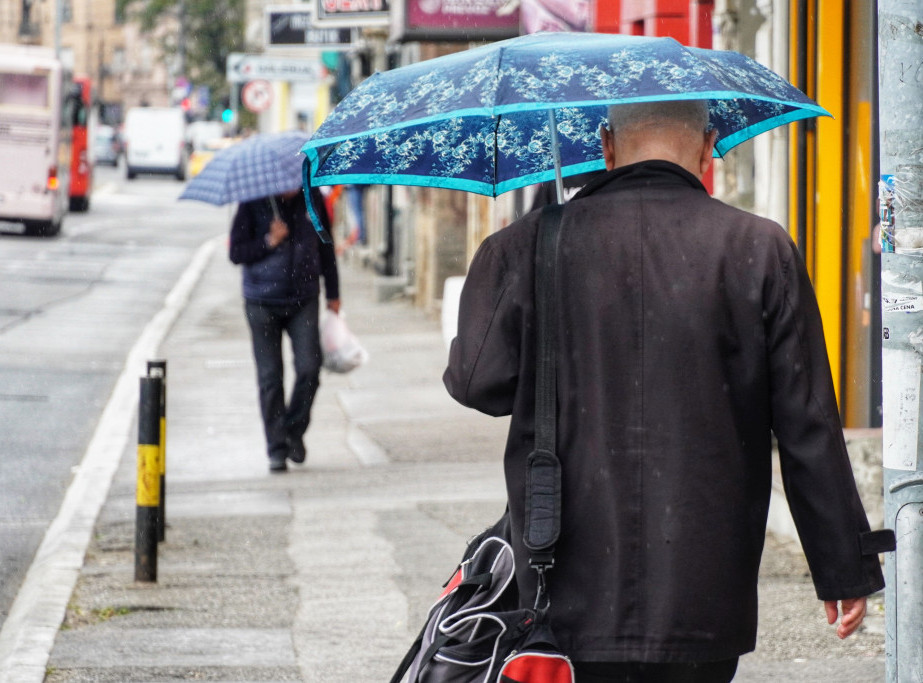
{"x": 181, "y": 40}
{"x": 58, "y": 20}
{"x": 900, "y": 80}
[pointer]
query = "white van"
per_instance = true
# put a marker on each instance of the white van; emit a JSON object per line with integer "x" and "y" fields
{"x": 155, "y": 141}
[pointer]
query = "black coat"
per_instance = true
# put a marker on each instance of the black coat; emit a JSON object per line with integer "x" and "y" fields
{"x": 290, "y": 273}
{"x": 688, "y": 331}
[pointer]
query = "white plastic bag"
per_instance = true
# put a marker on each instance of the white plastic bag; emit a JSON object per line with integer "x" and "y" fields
{"x": 342, "y": 351}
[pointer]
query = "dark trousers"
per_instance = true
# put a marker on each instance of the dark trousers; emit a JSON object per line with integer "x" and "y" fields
{"x": 643, "y": 672}
{"x": 282, "y": 421}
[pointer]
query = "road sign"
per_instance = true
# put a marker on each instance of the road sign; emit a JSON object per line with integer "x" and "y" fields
{"x": 288, "y": 27}
{"x": 242, "y": 67}
{"x": 257, "y": 96}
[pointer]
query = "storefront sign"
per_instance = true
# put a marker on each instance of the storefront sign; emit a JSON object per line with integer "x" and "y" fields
{"x": 242, "y": 68}
{"x": 465, "y": 20}
{"x": 350, "y": 13}
{"x": 288, "y": 27}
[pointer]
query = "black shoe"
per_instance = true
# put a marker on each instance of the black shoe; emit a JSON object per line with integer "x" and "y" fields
{"x": 296, "y": 450}
{"x": 277, "y": 463}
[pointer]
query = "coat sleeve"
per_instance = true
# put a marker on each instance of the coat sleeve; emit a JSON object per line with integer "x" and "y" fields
{"x": 816, "y": 471}
{"x": 247, "y": 244}
{"x": 483, "y": 368}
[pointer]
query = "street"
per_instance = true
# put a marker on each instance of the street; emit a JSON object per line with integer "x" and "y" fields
{"x": 70, "y": 309}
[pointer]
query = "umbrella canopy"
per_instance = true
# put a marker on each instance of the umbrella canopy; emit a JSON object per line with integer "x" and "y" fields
{"x": 260, "y": 166}
{"x": 479, "y": 120}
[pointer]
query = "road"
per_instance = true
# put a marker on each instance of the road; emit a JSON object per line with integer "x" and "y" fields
{"x": 70, "y": 309}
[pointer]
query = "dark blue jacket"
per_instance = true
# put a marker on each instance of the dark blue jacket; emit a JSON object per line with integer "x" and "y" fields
{"x": 290, "y": 273}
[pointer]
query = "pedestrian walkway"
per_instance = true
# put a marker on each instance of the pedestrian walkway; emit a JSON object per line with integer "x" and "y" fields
{"x": 325, "y": 573}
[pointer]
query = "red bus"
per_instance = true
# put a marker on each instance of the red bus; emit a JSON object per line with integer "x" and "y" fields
{"x": 81, "y": 159}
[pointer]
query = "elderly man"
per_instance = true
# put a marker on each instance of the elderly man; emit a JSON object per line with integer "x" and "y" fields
{"x": 688, "y": 333}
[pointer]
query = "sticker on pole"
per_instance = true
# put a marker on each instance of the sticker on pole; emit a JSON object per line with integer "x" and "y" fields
{"x": 901, "y": 303}
{"x": 901, "y": 408}
{"x": 257, "y": 96}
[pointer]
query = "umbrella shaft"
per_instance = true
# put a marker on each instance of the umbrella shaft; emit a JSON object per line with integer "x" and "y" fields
{"x": 556, "y": 155}
{"x": 275, "y": 208}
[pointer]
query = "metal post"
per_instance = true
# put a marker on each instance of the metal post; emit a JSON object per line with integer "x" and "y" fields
{"x": 158, "y": 368}
{"x": 148, "y": 492}
{"x": 901, "y": 202}
{"x": 58, "y": 20}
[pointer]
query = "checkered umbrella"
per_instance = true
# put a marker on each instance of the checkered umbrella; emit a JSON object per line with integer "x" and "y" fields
{"x": 260, "y": 166}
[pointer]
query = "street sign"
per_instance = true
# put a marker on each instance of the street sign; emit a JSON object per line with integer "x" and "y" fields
{"x": 257, "y": 96}
{"x": 349, "y": 13}
{"x": 294, "y": 27}
{"x": 242, "y": 67}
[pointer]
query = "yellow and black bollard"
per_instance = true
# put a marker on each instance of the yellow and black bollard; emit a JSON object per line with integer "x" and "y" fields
{"x": 149, "y": 473}
{"x": 158, "y": 368}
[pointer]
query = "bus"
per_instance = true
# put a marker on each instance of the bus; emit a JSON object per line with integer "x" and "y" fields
{"x": 81, "y": 184}
{"x": 36, "y": 118}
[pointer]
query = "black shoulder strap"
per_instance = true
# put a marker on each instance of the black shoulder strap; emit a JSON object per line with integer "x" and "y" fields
{"x": 542, "y": 522}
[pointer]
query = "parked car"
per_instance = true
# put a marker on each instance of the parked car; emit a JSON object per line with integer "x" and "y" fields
{"x": 156, "y": 141}
{"x": 107, "y": 146}
{"x": 201, "y": 133}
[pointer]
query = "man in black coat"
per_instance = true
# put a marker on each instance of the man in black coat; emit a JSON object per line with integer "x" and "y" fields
{"x": 688, "y": 332}
{"x": 283, "y": 260}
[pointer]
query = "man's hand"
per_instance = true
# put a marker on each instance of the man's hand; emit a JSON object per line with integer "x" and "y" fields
{"x": 853, "y": 614}
{"x": 278, "y": 231}
{"x": 334, "y": 305}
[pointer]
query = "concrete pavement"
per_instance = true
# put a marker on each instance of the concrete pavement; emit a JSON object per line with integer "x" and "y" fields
{"x": 325, "y": 573}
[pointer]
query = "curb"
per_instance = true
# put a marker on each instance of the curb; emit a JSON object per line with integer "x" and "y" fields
{"x": 35, "y": 617}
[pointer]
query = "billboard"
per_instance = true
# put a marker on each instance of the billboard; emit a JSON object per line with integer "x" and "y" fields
{"x": 464, "y": 20}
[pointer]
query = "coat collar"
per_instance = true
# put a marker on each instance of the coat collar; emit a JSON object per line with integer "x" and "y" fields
{"x": 644, "y": 174}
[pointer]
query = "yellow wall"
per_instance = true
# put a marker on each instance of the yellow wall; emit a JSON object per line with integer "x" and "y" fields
{"x": 828, "y": 247}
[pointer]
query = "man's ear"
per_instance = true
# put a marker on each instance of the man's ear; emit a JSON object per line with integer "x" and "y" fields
{"x": 605, "y": 137}
{"x": 707, "y": 149}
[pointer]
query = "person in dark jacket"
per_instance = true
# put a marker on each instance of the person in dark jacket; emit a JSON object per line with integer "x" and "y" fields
{"x": 283, "y": 260}
{"x": 688, "y": 332}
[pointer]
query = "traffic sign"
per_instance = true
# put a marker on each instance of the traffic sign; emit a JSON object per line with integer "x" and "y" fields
{"x": 242, "y": 67}
{"x": 257, "y": 96}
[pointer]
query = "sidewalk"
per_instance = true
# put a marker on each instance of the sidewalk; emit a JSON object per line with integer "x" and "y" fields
{"x": 325, "y": 573}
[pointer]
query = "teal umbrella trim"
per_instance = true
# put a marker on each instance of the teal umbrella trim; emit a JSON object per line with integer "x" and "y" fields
{"x": 474, "y": 186}
{"x": 726, "y": 144}
{"x": 514, "y": 108}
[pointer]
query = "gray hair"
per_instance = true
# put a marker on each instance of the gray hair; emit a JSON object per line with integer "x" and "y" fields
{"x": 692, "y": 113}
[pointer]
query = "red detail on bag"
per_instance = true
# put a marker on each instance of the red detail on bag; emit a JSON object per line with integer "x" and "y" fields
{"x": 452, "y": 584}
{"x": 537, "y": 667}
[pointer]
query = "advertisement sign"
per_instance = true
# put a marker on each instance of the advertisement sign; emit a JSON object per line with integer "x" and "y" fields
{"x": 350, "y": 13}
{"x": 293, "y": 26}
{"x": 556, "y": 15}
{"x": 465, "y": 20}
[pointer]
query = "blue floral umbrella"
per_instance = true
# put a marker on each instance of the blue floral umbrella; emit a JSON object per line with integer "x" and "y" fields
{"x": 527, "y": 110}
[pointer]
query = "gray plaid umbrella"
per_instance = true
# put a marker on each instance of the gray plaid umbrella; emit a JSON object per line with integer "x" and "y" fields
{"x": 260, "y": 166}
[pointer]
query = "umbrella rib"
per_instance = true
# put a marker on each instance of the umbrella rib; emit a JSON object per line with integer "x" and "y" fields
{"x": 496, "y": 152}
